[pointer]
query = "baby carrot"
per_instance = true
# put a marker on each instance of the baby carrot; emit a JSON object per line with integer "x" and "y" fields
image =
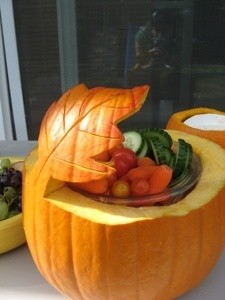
{"x": 139, "y": 187}
{"x": 95, "y": 186}
{"x": 160, "y": 179}
{"x": 145, "y": 161}
{"x": 143, "y": 172}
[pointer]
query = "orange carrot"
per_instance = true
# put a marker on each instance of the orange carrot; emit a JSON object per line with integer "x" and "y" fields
{"x": 139, "y": 187}
{"x": 160, "y": 179}
{"x": 95, "y": 186}
{"x": 143, "y": 172}
{"x": 145, "y": 161}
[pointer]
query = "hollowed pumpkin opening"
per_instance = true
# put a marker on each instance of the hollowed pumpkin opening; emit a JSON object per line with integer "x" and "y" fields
{"x": 176, "y": 121}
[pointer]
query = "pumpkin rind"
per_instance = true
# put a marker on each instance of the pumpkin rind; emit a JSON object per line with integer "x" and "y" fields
{"x": 176, "y": 121}
{"x": 81, "y": 125}
{"x": 91, "y": 250}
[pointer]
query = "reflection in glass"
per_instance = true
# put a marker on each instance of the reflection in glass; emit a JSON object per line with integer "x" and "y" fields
{"x": 191, "y": 72}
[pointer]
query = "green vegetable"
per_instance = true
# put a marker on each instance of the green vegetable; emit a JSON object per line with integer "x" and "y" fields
{"x": 4, "y": 209}
{"x": 5, "y": 163}
{"x": 157, "y": 144}
{"x": 161, "y": 134}
{"x": 10, "y": 194}
{"x": 134, "y": 141}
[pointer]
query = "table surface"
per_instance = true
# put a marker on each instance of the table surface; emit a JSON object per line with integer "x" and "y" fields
{"x": 19, "y": 278}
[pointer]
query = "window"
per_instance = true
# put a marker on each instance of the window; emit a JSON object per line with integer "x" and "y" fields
{"x": 61, "y": 43}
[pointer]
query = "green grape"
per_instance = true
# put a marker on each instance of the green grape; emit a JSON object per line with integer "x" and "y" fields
{"x": 10, "y": 194}
{"x": 5, "y": 163}
{"x": 12, "y": 213}
{"x": 4, "y": 210}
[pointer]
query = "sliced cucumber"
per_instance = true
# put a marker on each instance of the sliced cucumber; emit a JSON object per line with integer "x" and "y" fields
{"x": 134, "y": 141}
{"x": 172, "y": 161}
{"x": 156, "y": 143}
{"x": 158, "y": 151}
{"x": 144, "y": 150}
{"x": 168, "y": 152}
{"x": 189, "y": 157}
{"x": 183, "y": 158}
{"x": 163, "y": 136}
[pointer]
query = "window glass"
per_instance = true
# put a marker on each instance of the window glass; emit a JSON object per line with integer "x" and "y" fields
{"x": 184, "y": 62}
{"x": 37, "y": 39}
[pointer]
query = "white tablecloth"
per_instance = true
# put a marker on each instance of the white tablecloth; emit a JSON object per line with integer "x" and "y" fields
{"x": 19, "y": 279}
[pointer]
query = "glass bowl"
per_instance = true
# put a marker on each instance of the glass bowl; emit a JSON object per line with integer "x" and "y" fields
{"x": 175, "y": 192}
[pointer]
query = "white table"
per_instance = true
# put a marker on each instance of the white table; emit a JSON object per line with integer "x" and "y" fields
{"x": 19, "y": 278}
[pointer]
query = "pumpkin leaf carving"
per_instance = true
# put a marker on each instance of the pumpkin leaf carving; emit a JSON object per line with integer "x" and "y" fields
{"x": 81, "y": 125}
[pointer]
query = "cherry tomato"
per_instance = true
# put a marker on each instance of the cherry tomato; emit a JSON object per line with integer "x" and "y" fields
{"x": 111, "y": 179}
{"x": 124, "y": 177}
{"x": 126, "y": 155}
{"x": 120, "y": 188}
{"x": 139, "y": 187}
{"x": 111, "y": 151}
{"x": 121, "y": 166}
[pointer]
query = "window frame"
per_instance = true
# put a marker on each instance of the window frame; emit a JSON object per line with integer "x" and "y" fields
{"x": 12, "y": 110}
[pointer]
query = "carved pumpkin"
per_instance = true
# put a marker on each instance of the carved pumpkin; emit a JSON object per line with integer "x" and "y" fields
{"x": 176, "y": 121}
{"x": 91, "y": 250}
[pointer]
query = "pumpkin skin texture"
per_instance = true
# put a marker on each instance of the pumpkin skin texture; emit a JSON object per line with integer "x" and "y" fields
{"x": 91, "y": 250}
{"x": 177, "y": 119}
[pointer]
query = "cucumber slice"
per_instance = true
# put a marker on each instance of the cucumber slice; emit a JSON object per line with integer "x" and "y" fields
{"x": 158, "y": 151}
{"x": 144, "y": 150}
{"x": 168, "y": 154}
{"x": 172, "y": 161}
{"x": 183, "y": 158}
{"x": 189, "y": 157}
{"x": 187, "y": 166}
{"x": 134, "y": 141}
{"x": 163, "y": 136}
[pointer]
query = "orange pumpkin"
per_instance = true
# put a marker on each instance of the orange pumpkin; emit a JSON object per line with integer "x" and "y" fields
{"x": 91, "y": 250}
{"x": 176, "y": 121}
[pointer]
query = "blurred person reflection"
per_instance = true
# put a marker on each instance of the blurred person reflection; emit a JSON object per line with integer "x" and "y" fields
{"x": 157, "y": 60}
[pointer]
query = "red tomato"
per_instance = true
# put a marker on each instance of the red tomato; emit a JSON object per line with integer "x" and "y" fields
{"x": 120, "y": 188}
{"x": 111, "y": 151}
{"x": 126, "y": 155}
{"x": 124, "y": 177}
{"x": 139, "y": 187}
{"x": 121, "y": 167}
{"x": 111, "y": 179}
